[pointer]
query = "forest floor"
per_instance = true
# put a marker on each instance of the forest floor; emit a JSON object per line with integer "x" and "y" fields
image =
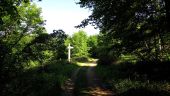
{"x": 85, "y": 82}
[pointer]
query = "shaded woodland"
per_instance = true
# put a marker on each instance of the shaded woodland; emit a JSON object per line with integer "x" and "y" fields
{"x": 132, "y": 51}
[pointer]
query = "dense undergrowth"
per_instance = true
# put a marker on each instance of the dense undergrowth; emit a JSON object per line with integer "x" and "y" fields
{"x": 137, "y": 79}
{"x": 42, "y": 81}
{"x": 125, "y": 79}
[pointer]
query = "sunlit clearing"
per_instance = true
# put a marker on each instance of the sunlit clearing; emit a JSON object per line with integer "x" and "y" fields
{"x": 86, "y": 64}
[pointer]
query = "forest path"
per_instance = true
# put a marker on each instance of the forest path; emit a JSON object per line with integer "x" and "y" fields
{"x": 85, "y": 82}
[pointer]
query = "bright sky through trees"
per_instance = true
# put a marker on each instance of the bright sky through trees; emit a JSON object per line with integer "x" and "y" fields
{"x": 64, "y": 14}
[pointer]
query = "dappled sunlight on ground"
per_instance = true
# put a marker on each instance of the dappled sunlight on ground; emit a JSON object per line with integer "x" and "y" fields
{"x": 97, "y": 91}
{"x": 85, "y": 82}
{"x": 86, "y": 64}
{"x": 90, "y": 63}
{"x": 68, "y": 87}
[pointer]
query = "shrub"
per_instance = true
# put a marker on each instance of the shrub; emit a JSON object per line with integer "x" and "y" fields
{"x": 80, "y": 59}
{"x": 106, "y": 56}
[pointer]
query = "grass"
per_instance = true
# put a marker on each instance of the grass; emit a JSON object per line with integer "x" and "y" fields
{"x": 129, "y": 79}
{"x": 127, "y": 58}
{"x": 84, "y": 61}
{"x": 125, "y": 78}
{"x": 86, "y": 64}
{"x": 42, "y": 81}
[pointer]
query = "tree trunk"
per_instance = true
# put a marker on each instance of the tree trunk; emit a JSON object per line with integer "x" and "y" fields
{"x": 167, "y": 7}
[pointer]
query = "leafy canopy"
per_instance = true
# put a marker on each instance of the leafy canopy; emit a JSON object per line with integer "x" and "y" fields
{"x": 139, "y": 26}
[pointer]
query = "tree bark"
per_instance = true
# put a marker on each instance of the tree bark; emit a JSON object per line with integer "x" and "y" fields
{"x": 167, "y": 8}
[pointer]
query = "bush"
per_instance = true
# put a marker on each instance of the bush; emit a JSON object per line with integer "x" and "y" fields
{"x": 80, "y": 59}
{"x": 106, "y": 56}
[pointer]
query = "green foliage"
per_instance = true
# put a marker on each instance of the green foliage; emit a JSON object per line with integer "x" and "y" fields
{"x": 9, "y": 8}
{"x": 92, "y": 43}
{"x": 25, "y": 44}
{"x": 140, "y": 27}
{"x": 16, "y": 33}
{"x": 108, "y": 51}
{"x": 15, "y": 37}
{"x": 46, "y": 47}
{"x": 129, "y": 87}
{"x": 80, "y": 59}
{"x": 84, "y": 45}
{"x": 106, "y": 55}
{"x": 31, "y": 60}
{"x": 33, "y": 82}
{"x": 126, "y": 79}
{"x": 79, "y": 42}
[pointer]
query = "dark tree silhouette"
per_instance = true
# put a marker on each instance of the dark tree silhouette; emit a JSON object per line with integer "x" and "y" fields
{"x": 138, "y": 26}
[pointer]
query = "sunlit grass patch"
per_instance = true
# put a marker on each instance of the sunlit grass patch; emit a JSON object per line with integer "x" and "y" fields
{"x": 127, "y": 58}
{"x": 92, "y": 59}
{"x": 86, "y": 64}
{"x": 90, "y": 62}
{"x": 31, "y": 64}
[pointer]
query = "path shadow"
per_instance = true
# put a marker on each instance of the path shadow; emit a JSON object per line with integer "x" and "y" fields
{"x": 87, "y": 83}
{"x": 142, "y": 71}
{"x": 147, "y": 70}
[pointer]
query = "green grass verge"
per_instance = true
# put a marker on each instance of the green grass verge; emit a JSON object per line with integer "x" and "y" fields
{"x": 42, "y": 81}
{"x": 125, "y": 83}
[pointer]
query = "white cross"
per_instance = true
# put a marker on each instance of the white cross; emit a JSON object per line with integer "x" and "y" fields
{"x": 69, "y": 52}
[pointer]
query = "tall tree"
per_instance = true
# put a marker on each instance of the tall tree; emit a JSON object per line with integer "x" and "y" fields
{"x": 139, "y": 26}
{"x": 79, "y": 42}
{"x": 15, "y": 36}
{"x": 92, "y": 43}
{"x": 9, "y": 7}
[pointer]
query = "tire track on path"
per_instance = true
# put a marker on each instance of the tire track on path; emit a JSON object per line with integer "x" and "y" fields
{"x": 85, "y": 82}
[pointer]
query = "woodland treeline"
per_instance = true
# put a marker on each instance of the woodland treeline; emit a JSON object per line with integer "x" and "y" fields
{"x": 137, "y": 29}
{"x": 24, "y": 42}
{"x": 26, "y": 49}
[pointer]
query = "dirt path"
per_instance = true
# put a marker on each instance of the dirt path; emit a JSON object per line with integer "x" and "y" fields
{"x": 85, "y": 82}
{"x": 95, "y": 84}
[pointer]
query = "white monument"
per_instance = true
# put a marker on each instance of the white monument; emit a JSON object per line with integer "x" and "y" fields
{"x": 69, "y": 52}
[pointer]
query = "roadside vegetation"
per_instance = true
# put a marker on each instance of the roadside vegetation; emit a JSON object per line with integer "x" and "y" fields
{"x": 129, "y": 57}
